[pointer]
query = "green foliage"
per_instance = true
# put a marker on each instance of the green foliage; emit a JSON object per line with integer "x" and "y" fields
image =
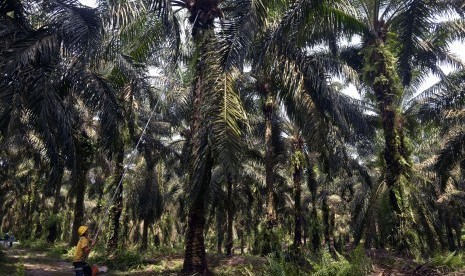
{"x": 356, "y": 264}
{"x": 20, "y": 269}
{"x": 74, "y": 73}
{"x": 35, "y": 245}
{"x": 297, "y": 160}
{"x": 288, "y": 263}
{"x": 380, "y": 70}
{"x": 166, "y": 265}
{"x": 268, "y": 240}
{"x": 52, "y": 219}
{"x": 281, "y": 267}
{"x": 121, "y": 259}
{"x": 238, "y": 270}
{"x": 450, "y": 262}
{"x": 61, "y": 250}
{"x": 165, "y": 250}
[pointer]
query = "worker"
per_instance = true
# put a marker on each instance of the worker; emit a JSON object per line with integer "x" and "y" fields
{"x": 85, "y": 244}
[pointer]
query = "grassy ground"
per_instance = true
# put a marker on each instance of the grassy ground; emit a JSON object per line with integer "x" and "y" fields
{"x": 10, "y": 265}
{"x": 21, "y": 261}
{"x": 41, "y": 259}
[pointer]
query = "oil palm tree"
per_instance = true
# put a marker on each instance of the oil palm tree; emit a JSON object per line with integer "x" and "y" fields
{"x": 136, "y": 38}
{"x": 300, "y": 83}
{"x": 399, "y": 39}
{"x": 215, "y": 134}
{"x": 440, "y": 106}
{"x": 45, "y": 62}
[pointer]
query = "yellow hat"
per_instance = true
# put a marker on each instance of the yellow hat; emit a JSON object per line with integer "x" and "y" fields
{"x": 82, "y": 229}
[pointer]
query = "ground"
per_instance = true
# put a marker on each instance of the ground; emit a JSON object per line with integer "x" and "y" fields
{"x": 21, "y": 261}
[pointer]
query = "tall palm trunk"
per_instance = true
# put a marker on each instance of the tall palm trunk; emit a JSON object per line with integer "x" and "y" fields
{"x": 28, "y": 217}
{"x": 229, "y": 231}
{"x": 380, "y": 73}
{"x": 195, "y": 260}
{"x": 268, "y": 235}
{"x": 268, "y": 114}
{"x": 117, "y": 207}
{"x": 84, "y": 153}
{"x": 219, "y": 231}
{"x": 80, "y": 189}
{"x": 313, "y": 187}
{"x": 149, "y": 181}
{"x": 53, "y": 227}
{"x": 145, "y": 230}
{"x": 195, "y": 256}
{"x": 202, "y": 15}
{"x": 297, "y": 177}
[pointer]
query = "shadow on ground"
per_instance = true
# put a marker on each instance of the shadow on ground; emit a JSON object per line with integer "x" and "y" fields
{"x": 25, "y": 262}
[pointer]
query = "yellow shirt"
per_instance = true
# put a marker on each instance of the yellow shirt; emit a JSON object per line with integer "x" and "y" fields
{"x": 81, "y": 255}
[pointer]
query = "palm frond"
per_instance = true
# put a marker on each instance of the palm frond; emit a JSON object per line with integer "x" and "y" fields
{"x": 308, "y": 75}
{"x": 412, "y": 23}
{"x": 236, "y": 34}
{"x": 37, "y": 48}
{"x": 447, "y": 94}
{"x": 450, "y": 156}
{"x": 100, "y": 96}
{"x": 227, "y": 115}
{"x": 80, "y": 28}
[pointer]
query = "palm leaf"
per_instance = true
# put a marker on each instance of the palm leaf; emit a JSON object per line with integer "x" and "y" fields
{"x": 450, "y": 156}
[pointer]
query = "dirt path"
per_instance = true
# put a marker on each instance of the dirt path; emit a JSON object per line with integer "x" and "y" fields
{"x": 37, "y": 263}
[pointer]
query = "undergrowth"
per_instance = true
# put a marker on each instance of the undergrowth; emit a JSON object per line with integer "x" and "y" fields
{"x": 20, "y": 270}
{"x": 357, "y": 263}
{"x": 448, "y": 262}
{"x": 323, "y": 264}
{"x": 162, "y": 260}
{"x": 35, "y": 245}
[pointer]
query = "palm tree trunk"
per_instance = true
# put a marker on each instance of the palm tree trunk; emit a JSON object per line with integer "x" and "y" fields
{"x": 220, "y": 231}
{"x": 150, "y": 164}
{"x": 53, "y": 227}
{"x": 30, "y": 193}
{"x": 229, "y": 232}
{"x": 80, "y": 189}
{"x": 392, "y": 155}
{"x": 195, "y": 256}
{"x": 268, "y": 236}
{"x": 313, "y": 187}
{"x": 240, "y": 235}
{"x": 83, "y": 161}
{"x": 387, "y": 89}
{"x": 326, "y": 222}
{"x": 136, "y": 235}
{"x": 145, "y": 230}
{"x": 117, "y": 208}
{"x": 268, "y": 112}
{"x": 297, "y": 205}
{"x": 41, "y": 206}
{"x": 195, "y": 260}
{"x": 297, "y": 163}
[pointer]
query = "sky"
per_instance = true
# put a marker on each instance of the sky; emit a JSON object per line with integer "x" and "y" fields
{"x": 90, "y": 3}
{"x": 457, "y": 48}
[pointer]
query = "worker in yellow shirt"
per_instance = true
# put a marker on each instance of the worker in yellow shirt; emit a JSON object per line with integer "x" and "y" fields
{"x": 83, "y": 248}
